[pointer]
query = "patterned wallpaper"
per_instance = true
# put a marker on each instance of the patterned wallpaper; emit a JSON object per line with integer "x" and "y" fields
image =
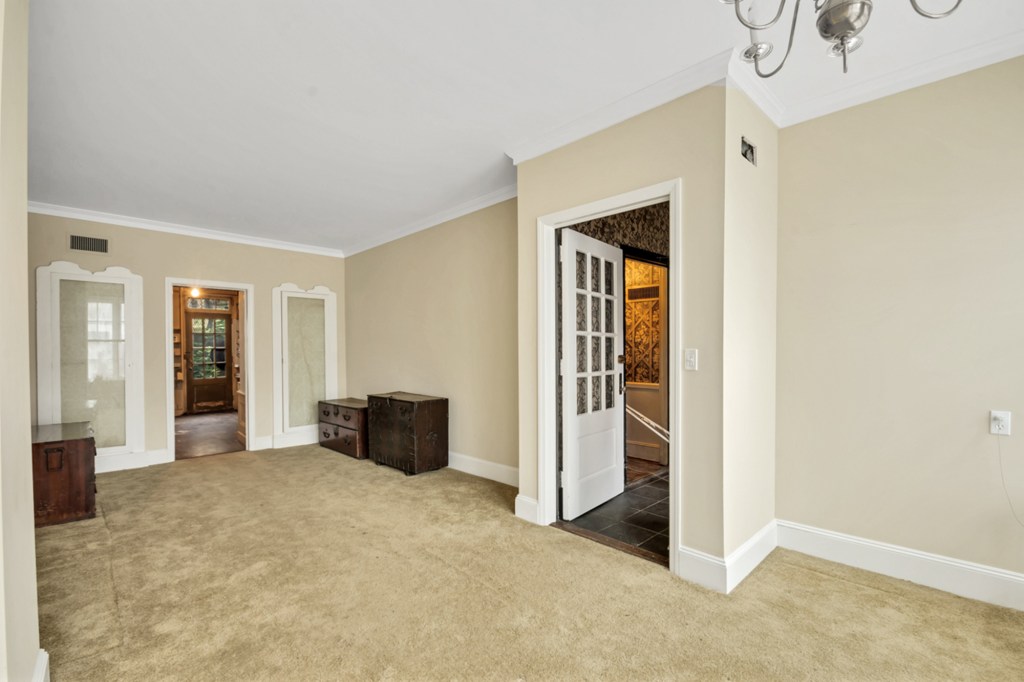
{"x": 643, "y": 228}
{"x": 643, "y": 324}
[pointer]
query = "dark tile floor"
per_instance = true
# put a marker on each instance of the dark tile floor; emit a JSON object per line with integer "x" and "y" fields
{"x": 638, "y": 517}
{"x": 198, "y": 435}
{"x": 642, "y": 468}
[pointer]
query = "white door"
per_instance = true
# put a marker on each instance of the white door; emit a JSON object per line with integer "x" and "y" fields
{"x": 592, "y": 381}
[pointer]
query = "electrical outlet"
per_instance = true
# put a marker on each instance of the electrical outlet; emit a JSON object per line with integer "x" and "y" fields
{"x": 999, "y": 423}
{"x": 690, "y": 359}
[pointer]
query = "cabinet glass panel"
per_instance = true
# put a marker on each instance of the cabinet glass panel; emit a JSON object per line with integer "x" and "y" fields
{"x": 92, "y": 358}
{"x": 307, "y": 360}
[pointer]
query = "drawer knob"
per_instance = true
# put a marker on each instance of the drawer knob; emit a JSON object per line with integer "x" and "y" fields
{"x": 347, "y": 417}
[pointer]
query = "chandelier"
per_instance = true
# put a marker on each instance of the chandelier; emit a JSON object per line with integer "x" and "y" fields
{"x": 839, "y": 22}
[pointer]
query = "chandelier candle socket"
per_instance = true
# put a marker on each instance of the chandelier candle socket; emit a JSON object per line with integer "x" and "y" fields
{"x": 839, "y": 22}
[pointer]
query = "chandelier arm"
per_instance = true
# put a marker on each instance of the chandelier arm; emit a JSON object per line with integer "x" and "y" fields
{"x": 934, "y": 15}
{"x": 753, "y": 26}
{"x": 789, "y": 47}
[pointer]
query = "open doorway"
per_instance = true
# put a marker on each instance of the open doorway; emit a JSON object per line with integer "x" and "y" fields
{"x": 613, "y": 339}
{"x": 210, "y": 347}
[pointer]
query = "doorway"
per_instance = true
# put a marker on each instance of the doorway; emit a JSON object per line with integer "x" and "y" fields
{"x": 615, "y": 322}
{"x": 210, "y": 348}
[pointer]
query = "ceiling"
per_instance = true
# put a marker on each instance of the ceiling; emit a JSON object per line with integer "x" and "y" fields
{"x": 342, "y": 124}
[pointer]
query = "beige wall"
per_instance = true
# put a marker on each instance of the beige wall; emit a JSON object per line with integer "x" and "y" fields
{"x": 435, "y": 313}
{"x": 749, "y": 330}
{"x": 681, "y": 139}
{"x": 19, "y": 625}
{"x": 901, "y": 318}
{"x": 156, "y": 256}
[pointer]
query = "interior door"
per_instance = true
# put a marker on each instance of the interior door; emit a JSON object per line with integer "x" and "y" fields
{"x": 593, "y": 452}
{"x": 209, "y": 362}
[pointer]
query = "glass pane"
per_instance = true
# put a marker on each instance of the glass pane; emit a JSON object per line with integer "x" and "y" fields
{"x": 609, "y": 391}
{"x": 207, "y": 325}
{"x": 581, "y": 312}
{"x": 581, "y": 353}
{"x": 595, "y": 393}
{"x": 581, "y": 395}
{"x": 609, "y": 278}
{"x": 595, "y": 313}
{"x": 92, "y": 362}
{"x": 221, "y": 325}
{"x": 595, "y": 274}
{"x": 595, "y": 354}
{"x": 307, "y": 362}
{"x": 609, "y": 316}
{"x": 581, "y": 270}
{"x": 197, "y": 324}
{"x": 220, "y": 341}
{"x": 609, "y": 354}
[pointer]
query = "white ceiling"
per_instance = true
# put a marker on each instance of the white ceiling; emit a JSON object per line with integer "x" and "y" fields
{"x": 342, "y": 124}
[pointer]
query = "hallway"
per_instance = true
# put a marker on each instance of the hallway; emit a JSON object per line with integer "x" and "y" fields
{"x": 213, "y": 433}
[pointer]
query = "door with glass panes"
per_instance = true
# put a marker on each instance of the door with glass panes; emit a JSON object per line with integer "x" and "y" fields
{"x": 208, "y": 359}
{"x": 593, "y": 408}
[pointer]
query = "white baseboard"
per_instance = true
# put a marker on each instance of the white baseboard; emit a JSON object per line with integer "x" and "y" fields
{"x": 975, "y": 581}
{"x": 502, "y": 473}
{"x": 132, "y": 460}
{"x": 526, "y": 509}
{"x": 701, "y": 568}
{"x": 749, "y": 555}
{"x": 303, "y": 435}
{"x": 42, "y": 671}
{"x": 723, "y": 575}
{"x": 260, "y": 443}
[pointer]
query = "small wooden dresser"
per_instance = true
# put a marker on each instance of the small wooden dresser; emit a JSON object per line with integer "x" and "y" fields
{"x": 343, "y": 426}
{"x": 409, "y": 431}
{"x": 63, "y": 472}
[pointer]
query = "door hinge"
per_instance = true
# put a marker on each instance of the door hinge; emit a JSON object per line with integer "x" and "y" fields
{"x": 561, "y": 252}
{"x": 561, "y": 367}
{"x": 561, "y": 479}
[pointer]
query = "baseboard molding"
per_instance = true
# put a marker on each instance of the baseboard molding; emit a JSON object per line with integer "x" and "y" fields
{"x": 502, "y": 473}
{"x": 974, "y": 581}
{"x": 526, "y": 509}
{"x": 42, "y": 670}
{"x": 749, "y": 555}
{"x": 260, "y": 443}
{"x": 304, "y": 435}
{"x": 132, "y": 460}
{"x": 702, "y": 568}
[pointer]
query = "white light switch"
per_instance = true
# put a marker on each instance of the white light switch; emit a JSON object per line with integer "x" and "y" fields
{"x": 999, "y": 423}
{"x": 690, "y": 359}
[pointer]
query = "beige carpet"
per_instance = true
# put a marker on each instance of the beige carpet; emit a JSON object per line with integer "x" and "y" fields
{"x": 301, "y": 564}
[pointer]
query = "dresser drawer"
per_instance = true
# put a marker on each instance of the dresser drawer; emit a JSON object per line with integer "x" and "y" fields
{"x": 346, "y": 441}
{"x": 342, "y": 415}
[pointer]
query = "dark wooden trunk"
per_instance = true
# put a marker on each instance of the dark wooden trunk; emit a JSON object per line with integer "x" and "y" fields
{"x": 343, "y": 426}
{"x": 63, "y": 473}
{"x": 409, "y": 431}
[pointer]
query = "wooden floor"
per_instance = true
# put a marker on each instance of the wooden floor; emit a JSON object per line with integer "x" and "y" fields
{"x": 198, "y": 435}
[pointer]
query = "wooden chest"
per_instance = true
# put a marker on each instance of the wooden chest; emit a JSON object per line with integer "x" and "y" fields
{"x": 409, "y": 431}
{"x": 63, "y": 473}
{"x": 343, "y": 426}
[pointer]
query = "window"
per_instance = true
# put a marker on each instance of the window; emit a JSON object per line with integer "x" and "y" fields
{"x": 209, "y": 347}
{"x": 208, "y": 304}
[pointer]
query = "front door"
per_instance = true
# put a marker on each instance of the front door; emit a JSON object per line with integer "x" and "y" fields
{"x": 209, "y": 361}
{"x": 592, "y": 374}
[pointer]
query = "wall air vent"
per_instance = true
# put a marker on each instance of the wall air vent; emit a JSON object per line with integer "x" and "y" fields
{"x": 642, "y": 293}
{"x": 95, "y": 244}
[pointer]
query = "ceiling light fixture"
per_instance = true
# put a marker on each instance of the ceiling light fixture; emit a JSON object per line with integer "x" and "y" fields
{"x": 839, "y": 22}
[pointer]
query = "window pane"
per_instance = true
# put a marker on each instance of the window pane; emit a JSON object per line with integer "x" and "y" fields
{"x": 581, "y": 312}
{"x": 609, "y": 391}
{"x": 595, "y": 354}
{"x": 609, "y": 278}
{"x": 581, "y": 270}
{"x": 595, "y": 313}
{"x": 595, "y": 273}
{"x": 581, "y": 353}
{"x": 581, "y": 395}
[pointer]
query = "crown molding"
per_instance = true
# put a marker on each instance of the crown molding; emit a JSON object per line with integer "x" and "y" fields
{"x": 490, "y": 199}
{"x": 947, "y": 66}
{"x": 684, "y": 82}
{"x": 742, "y": 76}
{"x": 175, "y": 228}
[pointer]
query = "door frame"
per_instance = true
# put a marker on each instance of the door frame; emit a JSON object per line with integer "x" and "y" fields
{"x": 249, "y": 341}
{"x": 547, "y": 370}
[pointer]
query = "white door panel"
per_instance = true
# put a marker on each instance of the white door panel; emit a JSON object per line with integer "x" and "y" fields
{"x": 592, "y": 401}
